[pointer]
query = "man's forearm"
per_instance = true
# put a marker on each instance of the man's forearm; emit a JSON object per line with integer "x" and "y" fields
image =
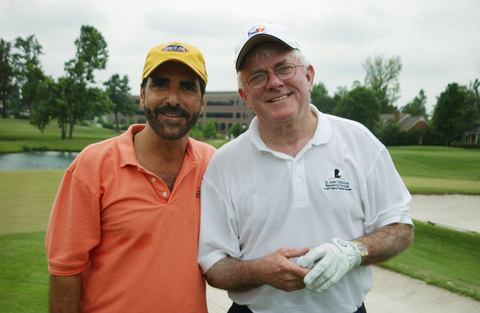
{"x": 65, "y": 293}
{"x": 387, "y": 242}
{"x": 232, "y": 274}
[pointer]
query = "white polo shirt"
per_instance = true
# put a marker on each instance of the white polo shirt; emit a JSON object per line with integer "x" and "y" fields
{"x": 255, "y": 201}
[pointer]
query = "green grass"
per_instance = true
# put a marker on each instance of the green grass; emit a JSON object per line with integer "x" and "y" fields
{"x": 437, "y": 162}
{"x": 438, "y": 169}
{"x": 26, "y": 198}
{"x": 442, "y": 257}
{"x": 18, "y": 135}
{"x": 23, "y": 273}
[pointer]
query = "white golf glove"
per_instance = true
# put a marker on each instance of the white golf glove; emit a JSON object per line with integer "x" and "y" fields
{"x": 330, "y": 262}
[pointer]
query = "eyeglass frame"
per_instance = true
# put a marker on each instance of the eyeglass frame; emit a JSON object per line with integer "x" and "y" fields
{"x": 268, "y": 75}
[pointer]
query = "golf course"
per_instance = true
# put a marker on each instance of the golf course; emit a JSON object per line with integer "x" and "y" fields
{"x": 440, "y": 256}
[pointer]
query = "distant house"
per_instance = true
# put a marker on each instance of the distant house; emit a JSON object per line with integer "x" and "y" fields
{"x": 407, "y": 123}
{"x": 471, "y": 134}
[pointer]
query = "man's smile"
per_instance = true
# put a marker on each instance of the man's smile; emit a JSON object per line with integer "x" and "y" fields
{"x": 279, "y": 98}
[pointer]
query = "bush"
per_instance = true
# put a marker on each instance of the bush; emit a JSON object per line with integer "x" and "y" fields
{"x": 210, "y": 131}
{"x": 464, "y": 145}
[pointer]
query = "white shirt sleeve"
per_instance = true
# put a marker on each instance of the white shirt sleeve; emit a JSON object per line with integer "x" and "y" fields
{"x": 218, "y": 228}
{"x": 387, "y": 199}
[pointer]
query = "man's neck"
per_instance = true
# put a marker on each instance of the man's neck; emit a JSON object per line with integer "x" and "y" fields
{"x": 289, "y": 138}
{"x": 162, "y": 157}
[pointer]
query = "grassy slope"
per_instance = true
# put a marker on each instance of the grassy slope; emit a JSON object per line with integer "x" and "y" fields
{"x": 16, "y": 134}
{"x": 438, "y": 169}
{"x": 442, "y": 257}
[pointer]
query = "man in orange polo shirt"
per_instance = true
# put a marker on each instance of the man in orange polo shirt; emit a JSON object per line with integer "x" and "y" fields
{"x": 124, "y": 227}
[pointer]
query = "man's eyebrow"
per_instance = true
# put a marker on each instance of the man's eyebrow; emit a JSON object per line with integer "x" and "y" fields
{"x": 274, "y": 66}
{"x": 188, "y": 83}
{"x": 279, "y": 63}
{"x": 157, "y": 80}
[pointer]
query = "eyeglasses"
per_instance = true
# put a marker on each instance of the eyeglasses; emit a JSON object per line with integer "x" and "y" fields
{"x": 284, "y": 72}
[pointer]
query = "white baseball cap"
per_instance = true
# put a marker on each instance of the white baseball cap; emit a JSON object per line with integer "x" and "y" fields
{"x": 263, "y": 32}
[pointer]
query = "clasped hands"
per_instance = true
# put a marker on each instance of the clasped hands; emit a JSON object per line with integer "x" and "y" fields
{"x": 330, "y": 261}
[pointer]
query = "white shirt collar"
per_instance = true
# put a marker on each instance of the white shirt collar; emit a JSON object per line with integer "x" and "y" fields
{"x": 321, "y": 136}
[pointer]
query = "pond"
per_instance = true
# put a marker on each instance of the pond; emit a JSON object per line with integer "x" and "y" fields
{"x": 48, "y": 160}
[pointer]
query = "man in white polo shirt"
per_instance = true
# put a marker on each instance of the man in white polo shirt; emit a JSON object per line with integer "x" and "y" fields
{"x": 298, "y": 183}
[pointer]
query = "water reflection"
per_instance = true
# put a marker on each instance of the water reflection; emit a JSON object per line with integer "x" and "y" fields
{"x": 48, "y": 160}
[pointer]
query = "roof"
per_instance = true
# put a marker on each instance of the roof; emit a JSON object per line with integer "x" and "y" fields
{"x": 406, "y": 121}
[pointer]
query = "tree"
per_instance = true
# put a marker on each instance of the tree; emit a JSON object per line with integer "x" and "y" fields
{"x": 118, "y": 91}
{"x": 449, "y": 113}
{"x": 417, "y": 106}
{"x": 390, "y": 133}
{"x": 74, "y": 92}
{"x": 320, "y": 98}
{"x": 31, "y": 73}
{"x": 8, "y": 74}
{"x": 360, "y": 105}
{"x": 52, "y": 105}
{"x": 91, "y": 55}
{"x": 209, "y": 131}
{"x": 472, "y": 104}
{"x": 382, "y": 78}
{"x": 235, "y": 129}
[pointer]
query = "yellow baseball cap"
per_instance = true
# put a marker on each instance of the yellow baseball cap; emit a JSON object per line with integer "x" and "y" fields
{"x": 175, "y": 52}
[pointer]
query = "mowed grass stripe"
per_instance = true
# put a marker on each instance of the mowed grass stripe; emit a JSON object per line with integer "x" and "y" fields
{"x": 437, "y": 162}
{"x": 26, "y": 199}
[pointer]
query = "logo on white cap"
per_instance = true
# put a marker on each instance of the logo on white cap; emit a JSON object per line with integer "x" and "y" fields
{"x": 257, "y": 29}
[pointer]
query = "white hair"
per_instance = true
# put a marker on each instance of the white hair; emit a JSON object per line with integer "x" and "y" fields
{"x": 266, "y": 50}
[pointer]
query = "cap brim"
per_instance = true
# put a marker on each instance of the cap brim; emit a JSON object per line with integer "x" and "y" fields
{"x": 252, "y": 42}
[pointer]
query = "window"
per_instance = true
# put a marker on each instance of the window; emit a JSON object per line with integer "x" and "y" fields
{"x": 219, "y": 115}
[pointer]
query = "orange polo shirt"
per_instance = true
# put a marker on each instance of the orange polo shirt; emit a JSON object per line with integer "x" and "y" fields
{"x": 133, "y": 240}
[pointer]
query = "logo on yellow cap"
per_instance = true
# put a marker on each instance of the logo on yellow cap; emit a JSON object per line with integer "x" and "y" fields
{"x": 175, "y": 48}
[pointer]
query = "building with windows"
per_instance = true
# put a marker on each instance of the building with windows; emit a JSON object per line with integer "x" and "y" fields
{"x": 224, "y": 107}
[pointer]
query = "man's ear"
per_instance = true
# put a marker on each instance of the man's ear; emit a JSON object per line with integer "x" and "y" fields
{"x": 310, "y": 73}
{"x": 202, "y": 104}
{"x": 243, "y": 95}
{"x": 142, "y": 96}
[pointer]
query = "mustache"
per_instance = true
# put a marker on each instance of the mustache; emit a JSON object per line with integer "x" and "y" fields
{"x": 169, "y": 109}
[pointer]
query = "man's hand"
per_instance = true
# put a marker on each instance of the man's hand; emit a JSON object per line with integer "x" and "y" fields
{"x": 274, "y": 269}
{"x": 334, "y": 261}
{"x": 282, "y": 273}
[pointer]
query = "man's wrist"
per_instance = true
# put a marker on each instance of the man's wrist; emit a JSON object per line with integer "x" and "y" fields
{"x": 361, "y": 249}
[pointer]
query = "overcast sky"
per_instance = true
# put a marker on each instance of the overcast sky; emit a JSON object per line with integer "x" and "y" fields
{"x": 438, "y": 41}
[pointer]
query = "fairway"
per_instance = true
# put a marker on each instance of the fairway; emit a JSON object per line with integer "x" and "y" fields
{"x": 438, "y": 169}
{"x": 26, "y": 198}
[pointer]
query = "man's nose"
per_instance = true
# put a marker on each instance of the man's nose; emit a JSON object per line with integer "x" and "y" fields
{"x": 273, "y": 81}
{"x": 173, "y": 97}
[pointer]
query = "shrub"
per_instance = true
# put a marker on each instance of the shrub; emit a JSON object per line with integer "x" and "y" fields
{"x": 464, "y": 145}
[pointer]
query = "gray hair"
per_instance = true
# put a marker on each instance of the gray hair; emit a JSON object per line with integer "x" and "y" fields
{"x": 266, "y": 50}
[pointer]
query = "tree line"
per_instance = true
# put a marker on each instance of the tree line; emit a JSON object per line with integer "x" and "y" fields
{"x": 457, "y": 108}
{"x": 69, "y": 100}
{"x": 73, "y": 98}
